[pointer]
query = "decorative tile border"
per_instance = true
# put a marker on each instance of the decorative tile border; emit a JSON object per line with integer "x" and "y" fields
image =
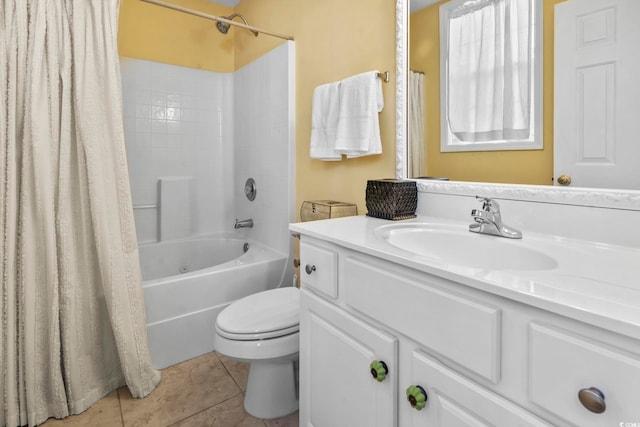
{"x": 602, "y": 198}
{"x": 401, "y": 85}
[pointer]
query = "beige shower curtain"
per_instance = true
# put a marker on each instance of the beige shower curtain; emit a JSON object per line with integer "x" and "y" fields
{"x": 73, "y": 319}
{"x": 417, "y": 136}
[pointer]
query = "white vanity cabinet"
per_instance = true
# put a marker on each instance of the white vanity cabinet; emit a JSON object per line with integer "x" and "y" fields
{"x": 481, "y": 359}
{"x": 336, "y": 351}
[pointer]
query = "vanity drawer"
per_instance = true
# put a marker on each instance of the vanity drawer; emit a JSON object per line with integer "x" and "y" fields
{"x": 454, "y": 400}
{"x": 562, "y": 363}
{"x": 459, "y": 328}
{"x": 319, "y": 268}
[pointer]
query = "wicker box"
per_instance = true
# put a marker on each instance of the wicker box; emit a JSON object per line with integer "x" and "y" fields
{"x": 393, "y": 199}
{"x": 324, "y": 209}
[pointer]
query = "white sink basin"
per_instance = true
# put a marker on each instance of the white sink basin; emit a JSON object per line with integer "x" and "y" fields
{"x": 456, "y": 245}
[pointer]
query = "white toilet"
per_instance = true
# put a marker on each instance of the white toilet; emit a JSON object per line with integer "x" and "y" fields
{"x": 262, "y": 329}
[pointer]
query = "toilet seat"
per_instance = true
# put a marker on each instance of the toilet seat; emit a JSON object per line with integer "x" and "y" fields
{"x": 263, "y": 330}
{"x": 264, "y": 315}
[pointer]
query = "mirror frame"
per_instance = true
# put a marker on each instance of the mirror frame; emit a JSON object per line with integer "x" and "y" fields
{"x": 580, "y": 196}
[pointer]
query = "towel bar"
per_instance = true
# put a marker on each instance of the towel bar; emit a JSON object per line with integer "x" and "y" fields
{"x": 384, "y": 76}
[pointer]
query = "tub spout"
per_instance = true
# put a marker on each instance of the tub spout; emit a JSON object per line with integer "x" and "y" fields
{"x": 245, "y": 223}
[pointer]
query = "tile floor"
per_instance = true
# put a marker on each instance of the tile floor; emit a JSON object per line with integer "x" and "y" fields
{"x": 203, "y": 392}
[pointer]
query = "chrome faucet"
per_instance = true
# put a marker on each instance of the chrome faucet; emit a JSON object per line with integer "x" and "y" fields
{"x": 488, "y": 220}
{"x": 245, "y": 223}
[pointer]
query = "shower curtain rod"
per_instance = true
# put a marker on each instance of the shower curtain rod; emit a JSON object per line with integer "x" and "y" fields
{"x": 215, "y": 18}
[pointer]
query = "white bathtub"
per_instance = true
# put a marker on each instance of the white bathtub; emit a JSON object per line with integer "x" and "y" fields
{"x": 188, "y": 282}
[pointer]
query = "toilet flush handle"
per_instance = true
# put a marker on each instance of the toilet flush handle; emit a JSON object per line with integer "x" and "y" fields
{"x": 309, "y": 268}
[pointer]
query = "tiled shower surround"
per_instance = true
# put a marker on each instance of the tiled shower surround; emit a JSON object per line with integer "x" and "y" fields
{"x": 177, "y": 123}
{"x": 214, "y": 130}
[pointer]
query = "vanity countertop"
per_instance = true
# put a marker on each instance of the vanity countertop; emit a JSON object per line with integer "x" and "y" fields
{"x": 593, "y": 282}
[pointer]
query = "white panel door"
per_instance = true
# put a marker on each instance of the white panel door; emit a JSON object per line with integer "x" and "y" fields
{"x": 336, "y": 385}
{"x": 597, "y": 91}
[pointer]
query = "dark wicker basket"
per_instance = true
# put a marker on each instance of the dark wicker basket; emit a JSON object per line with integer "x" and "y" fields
{"x": 392, "y": 199}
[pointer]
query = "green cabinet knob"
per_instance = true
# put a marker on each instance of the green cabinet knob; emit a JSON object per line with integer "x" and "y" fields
{"x": 417, "y": 397}
{"x": 379, "y": 370}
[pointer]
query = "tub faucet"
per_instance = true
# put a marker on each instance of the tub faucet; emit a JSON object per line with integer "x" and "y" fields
{"x": 245, "y": 223}
{"x": 488, "y": 220}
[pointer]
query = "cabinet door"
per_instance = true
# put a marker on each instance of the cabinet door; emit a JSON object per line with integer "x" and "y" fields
{"x": 336, "y": 384}
{"x": 455, "y": 401}
{"x": 563, "y": 365}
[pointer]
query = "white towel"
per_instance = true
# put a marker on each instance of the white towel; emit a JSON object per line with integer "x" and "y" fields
{"x": 361, "y": 100}
{"x": 324, "y": 122}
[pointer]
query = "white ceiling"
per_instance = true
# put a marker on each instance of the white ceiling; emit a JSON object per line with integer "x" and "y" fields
{"x": 230, "y": 3}
{"x": 415, "y": 5}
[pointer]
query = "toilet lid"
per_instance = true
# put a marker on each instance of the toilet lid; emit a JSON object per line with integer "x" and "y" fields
{"x": 267, "y": 314}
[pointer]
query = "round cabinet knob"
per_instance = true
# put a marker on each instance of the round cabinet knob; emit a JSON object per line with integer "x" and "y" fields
{"x": 592, "y": 399}
{"x": 379, "y": 370}
{"x": 309, "y": 268}
{"x": 417, "y": 397}
{"x": 564, "y": 180}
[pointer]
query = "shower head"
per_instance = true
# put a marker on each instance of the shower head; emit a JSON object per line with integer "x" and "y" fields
{"x": 223, "y": 27}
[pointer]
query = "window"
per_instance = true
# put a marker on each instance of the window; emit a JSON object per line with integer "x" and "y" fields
{"x": 491, "y": 75}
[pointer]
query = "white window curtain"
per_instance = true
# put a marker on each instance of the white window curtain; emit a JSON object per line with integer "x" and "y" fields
{"x": 73, "y": 318}
{"x": 490, "y": 70}
{"x": 417, "y": 137}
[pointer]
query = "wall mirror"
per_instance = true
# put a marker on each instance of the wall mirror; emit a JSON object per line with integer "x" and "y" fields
{"x": 530, "y": 174}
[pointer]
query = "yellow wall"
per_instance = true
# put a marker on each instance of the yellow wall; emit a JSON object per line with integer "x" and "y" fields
{"x": 334, "y": 39}
{"x": 521, "y": 167}
{"x": 151, "y": 32}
